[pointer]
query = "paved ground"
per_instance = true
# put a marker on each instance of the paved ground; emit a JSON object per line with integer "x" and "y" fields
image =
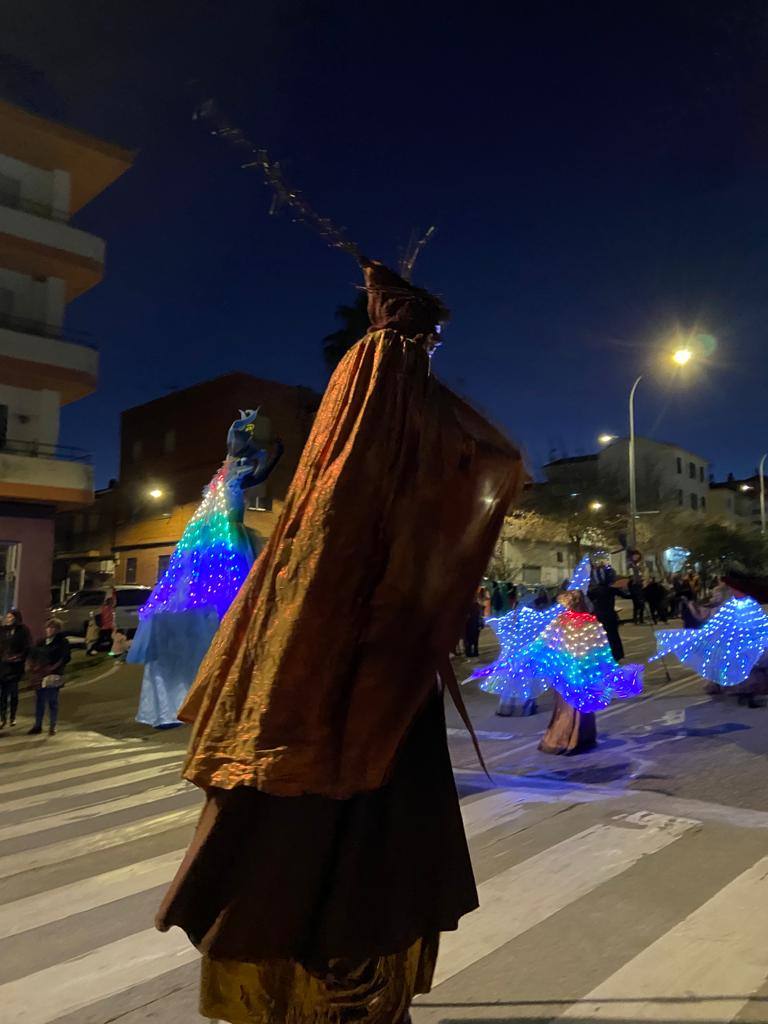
{"x": 629, "y": 884}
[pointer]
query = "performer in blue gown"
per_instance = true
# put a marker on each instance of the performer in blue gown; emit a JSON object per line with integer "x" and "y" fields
{"x": 205, "y": 572}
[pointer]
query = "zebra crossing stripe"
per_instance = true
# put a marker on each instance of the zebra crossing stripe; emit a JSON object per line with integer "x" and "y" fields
{"x": 46, "y": 995}
{"x": 90, "y": 789}
{"x": 94, "y": 811}
{"x": 66, "y": 849}
{"x": 57, "y": 777}
{"x": 77, "y": 897}
{"x": 706, "y": 968}
{"x": 528, "y": 893}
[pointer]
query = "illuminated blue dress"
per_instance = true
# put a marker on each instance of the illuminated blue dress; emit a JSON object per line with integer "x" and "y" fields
{"x": 205, "y": 572}
{"x": 726, "y": 648}
{"x": 563, "y": 650}
{"x": 516, "y": 631}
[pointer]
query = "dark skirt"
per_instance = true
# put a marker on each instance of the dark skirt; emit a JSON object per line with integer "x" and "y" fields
{"x": 569, "y": 731}
{"x": 309, "y": 878}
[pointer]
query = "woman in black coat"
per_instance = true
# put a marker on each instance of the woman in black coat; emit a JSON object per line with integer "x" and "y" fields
{"x": 15, "y": 642}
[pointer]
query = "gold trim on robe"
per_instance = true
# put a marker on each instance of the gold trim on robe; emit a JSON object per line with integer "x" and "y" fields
{"x": 330, "y": 649}
{"x": 374, "y": 991}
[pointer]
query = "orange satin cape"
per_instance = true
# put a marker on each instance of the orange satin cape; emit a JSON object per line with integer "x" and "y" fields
{"x": 331, "y": 647}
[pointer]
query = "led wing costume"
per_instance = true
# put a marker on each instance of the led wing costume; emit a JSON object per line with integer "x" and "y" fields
{"x": 726, "y": 648}
{"x": 516, "y": 631}
{"x": 205, "y": 572}
{"x": 318, "y": 728}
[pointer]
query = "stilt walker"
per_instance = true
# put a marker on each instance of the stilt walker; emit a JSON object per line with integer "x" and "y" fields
{"x": 205, "y": 572}
{"x": 318, "y": 728}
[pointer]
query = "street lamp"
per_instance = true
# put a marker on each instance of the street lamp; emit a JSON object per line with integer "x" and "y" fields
{"x": 155, "y": 493}
{"x": 595, "y": 506}
{"x": 681, "y": 357}
{"x": 762, "y": 493}
{"x": 606, "y": 438}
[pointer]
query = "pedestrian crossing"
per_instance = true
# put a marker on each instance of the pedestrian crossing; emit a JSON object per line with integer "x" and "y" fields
{"x": 607, "y": 909}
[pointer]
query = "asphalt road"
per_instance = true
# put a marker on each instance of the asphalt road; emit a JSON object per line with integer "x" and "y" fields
{"x": 626, "y": 884}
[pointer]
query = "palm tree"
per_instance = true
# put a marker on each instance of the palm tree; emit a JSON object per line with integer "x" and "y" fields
{"x": 355, "y": 323}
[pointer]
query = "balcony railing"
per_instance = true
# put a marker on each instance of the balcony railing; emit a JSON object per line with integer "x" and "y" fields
{"x": 40, "y": 450}
{"x": 43, "y": 330}
{"x": 15, "y": 202}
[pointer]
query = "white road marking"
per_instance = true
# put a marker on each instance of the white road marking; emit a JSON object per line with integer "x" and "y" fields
{"x": 707, "y": 966}
{"x": 92, "y": 789}
{"x": 66, "y": 849}
{"x": 497, "y": 807}
{"x": 526, "y": 894}
{"x": 77, "y": 897}
{"x": 46, "y": 995}
{"x": 93, "y": 811}
{"x": 51, "y": 775}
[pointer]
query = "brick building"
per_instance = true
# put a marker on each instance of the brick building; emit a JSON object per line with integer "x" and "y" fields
{"x": 169, "y": 450}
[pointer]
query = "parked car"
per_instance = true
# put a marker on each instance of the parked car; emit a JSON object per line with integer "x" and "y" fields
{"x": 75, "y": 611}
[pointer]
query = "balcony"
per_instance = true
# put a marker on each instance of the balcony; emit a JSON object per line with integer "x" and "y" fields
{"x": 15, "y": 202}
{"x": 45, "y": 474}
{"x": 43, "y": 357}
{"x": 44, "y": 246}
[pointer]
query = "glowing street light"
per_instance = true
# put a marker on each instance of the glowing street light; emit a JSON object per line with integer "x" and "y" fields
{"x": 595, "y": 506}
{"x": 745, "y": 487}
{"x": 682, "y": 356}
{"x": 606, "y": 438}
{"x": 156, "y": 493}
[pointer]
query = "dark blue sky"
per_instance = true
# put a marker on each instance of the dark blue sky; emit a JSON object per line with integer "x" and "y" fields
{"x": 597, "y": 173}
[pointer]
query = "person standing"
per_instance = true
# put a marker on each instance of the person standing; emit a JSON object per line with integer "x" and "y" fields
{"x": 472, "y": 627}
{"x": 107, "y": 622}
{"x": 498, "y": 599}
{"x": 15, "y": 643}
{"x": 655, "y": 596}
{"x": 602, "y": 596}
{"x": 48, "y": 660}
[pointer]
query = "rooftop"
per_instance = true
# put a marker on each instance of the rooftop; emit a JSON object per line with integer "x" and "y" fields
{"x": 92, "y": 163}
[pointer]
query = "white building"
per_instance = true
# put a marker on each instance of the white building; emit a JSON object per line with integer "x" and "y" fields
{"x": 667, "y": 475}
{"x": 736, "y": 502}
{"x": 47, "y": 173}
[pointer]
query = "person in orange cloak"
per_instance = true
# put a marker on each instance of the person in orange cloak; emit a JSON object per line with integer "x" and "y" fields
{"x": 330, "y": 852}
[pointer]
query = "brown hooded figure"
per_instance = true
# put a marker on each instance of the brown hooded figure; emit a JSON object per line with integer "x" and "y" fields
{"x": 331, "y": 853}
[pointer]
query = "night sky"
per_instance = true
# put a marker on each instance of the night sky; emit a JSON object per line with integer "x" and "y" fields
{"x": 598, "y": 174}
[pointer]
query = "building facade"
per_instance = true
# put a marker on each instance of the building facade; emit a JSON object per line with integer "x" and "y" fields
{"x": 736, "y": 502}
{"x": 170, "y": 448}
{"x": 667, "y": 475}
{"x": 47, "y": 173}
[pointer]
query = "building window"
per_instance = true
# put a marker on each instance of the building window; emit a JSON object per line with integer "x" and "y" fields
{"x": 162, "y": 564}
{"x": 137, "y": 450}
{"x": 130, "y": 570}
{"x": 679, "y": 464}
{"x": 559, "y": 556}
{"x": 703, "y": 502}
{"x": 701, "y": 474}
{"x": 679, "y": 497}
{"x": 531, "y": 574}
{"x": 169, "y": 442}
{"x": 694, "y": 501}
{"x": 692, "y": 470}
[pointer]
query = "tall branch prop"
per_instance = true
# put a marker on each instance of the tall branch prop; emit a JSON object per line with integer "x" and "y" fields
{"x": 282, "y": 193}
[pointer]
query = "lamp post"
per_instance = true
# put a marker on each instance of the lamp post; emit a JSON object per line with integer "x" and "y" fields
{"x": 681, "y": 356}
{"x": 762, "y": 493}
{"x": 632, "y": 468}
